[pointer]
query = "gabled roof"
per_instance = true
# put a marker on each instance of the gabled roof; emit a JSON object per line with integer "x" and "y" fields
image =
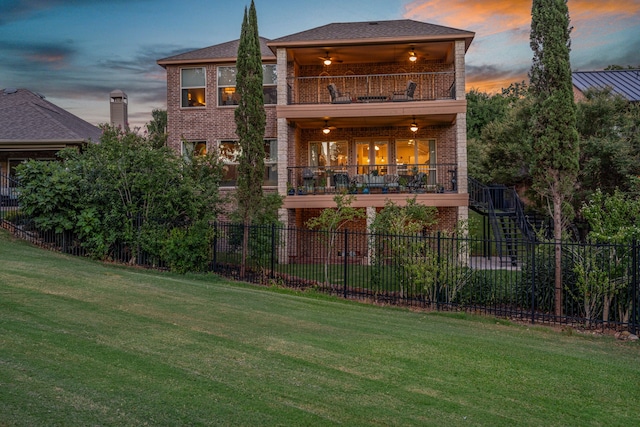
{"x": 372, "y": 32}
{"x": 27, "y": 117}
{"x": 224, "y": 52}
{"x": 622, "y": 82}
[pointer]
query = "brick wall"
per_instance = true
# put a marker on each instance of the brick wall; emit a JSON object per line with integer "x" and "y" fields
{"x": 210, "y": 123}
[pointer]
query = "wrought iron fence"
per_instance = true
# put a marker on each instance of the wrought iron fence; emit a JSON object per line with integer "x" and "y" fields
{"x": 437, "y": 271}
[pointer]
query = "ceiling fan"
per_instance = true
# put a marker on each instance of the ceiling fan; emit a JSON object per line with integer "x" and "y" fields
{"x": 328, "y": 59}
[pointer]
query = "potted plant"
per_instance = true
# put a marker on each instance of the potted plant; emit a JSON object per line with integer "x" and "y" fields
{"x": 353, "y": 189}
{"x": 322, "y": 184}
{"x": 301, "y": 190}
{"x": 403, "y": 182}
{"x": 290, "y": 190}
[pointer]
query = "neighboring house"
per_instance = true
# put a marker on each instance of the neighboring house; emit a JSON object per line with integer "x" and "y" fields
{"x": 625, "y": 83}
{"x": 33, "y": 128}
{"x": 377, "y": 105}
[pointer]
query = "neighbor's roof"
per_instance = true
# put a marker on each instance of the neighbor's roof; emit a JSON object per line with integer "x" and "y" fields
{"x": 622, "y": 82}
{"x": 27, "y": 117}
{"x": 224, "y": 52}
{"x": 373, "y": 32}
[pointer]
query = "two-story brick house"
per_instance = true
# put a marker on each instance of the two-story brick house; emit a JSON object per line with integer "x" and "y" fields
{"x": 376, "y": 108}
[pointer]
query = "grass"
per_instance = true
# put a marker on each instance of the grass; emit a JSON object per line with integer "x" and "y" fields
{"x": 83, "y": 343}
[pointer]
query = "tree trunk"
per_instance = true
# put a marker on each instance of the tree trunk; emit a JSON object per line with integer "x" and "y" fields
{"x": 557, "y": 237}
{"x": 245, "y": 249}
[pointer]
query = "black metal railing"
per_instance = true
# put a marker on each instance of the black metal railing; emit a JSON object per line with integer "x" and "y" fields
{"x": 437, "y": 271}
{"x": 392, "y": 178}
{"x": 371, "y": 88}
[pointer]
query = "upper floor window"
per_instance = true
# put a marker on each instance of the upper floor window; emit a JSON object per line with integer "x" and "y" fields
{"x": 227, "y": 94}
{"x": 192, "y": 84}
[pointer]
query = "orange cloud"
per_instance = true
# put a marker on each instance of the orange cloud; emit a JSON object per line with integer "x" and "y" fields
{"x": 487, "y": 17}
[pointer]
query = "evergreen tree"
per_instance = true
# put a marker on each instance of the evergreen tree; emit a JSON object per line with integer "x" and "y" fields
{"x": 250, "y": 120}
{"x": 555, "y": 150}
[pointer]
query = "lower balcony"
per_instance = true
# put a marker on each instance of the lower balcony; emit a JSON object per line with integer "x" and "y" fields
{"x": 433, "y": 184}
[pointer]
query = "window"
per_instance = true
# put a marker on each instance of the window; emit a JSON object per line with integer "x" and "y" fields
{"x": 329, "y": 153}
{"x": 193, "y": 148}
{"x": 230, "y": 155}
{"x": 192, "y": 83}
{"x": 372, "y": 155}
{"x": 227, "y": 85}
{"x": 420, "y": 153}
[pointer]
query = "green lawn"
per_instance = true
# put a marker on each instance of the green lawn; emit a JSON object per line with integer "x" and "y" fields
{"x": 82, "y": 343}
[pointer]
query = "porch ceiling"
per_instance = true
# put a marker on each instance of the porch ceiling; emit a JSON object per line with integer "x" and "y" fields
{"x": 397, "y": 52}
{"x": 384, "y": 114}
{"x": 380, "y": 121}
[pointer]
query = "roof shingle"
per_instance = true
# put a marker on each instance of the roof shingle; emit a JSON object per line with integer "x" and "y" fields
{"x": 223, "y": 51}
{"x": 372, "y": 30}
{"x": 27, "y": 116}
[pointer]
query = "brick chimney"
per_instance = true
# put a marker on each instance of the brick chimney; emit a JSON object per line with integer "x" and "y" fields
{"x": 118, "y": 109}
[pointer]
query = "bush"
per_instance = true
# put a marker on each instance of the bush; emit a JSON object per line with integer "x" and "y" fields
{"x": 189, "y": 249}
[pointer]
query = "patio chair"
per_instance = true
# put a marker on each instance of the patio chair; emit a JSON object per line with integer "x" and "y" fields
{"x": 341, "y": 180}
{"x": 337, "y": 97}
{"x": 309, "y": 179}
{"x": 407, "y": 94}
{"x": 418, "y": 181}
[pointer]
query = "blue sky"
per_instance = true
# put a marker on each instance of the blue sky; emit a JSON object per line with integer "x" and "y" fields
{"x": 77, "y": 51}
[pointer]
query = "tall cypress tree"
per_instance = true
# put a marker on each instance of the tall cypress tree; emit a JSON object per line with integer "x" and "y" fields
{"x": 250, "y": 120}
{"x": 554, "y": 163}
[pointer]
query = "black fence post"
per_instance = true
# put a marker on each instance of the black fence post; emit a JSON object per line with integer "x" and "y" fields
{"x": 532, "y": 245}
{"x": 633, "y": 327}
{"x": 273, "y": 250}
{"x": 215, "y": 246}
{"x": 346, "y": 261}
{"x": 439, "y": 264}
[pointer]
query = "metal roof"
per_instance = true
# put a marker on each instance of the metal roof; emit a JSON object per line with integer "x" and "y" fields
{"x": 27, "y": 117}
{"x": 622, "y": 82}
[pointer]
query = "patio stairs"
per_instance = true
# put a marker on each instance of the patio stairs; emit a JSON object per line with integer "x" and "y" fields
{"x": 504, "y": 210}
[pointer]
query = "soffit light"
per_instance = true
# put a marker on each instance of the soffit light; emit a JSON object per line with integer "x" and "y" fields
{"x": 326, "y": 128}
{"x": 414, "y": 126}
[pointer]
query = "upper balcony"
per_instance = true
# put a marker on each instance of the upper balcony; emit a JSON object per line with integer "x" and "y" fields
{"x": 371, "y": 88}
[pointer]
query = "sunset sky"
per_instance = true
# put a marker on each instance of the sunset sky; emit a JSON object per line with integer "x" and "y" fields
{"x": 77, "y": 51}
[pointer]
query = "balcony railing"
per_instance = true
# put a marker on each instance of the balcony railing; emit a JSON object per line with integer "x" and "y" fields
{"x": 390, "y": 178}
{"x": 371, "y": 88}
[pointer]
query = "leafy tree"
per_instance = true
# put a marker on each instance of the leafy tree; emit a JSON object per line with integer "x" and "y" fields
{"x": 330, "y": 221}
{"x": 609, "y": 144}
{"x": 620, "y": 67}
{"x": 497, "y": 135}
{"x": 122, "y": 191}
{"x": 554, "y": 160}
{"x": 250, "y": 120}
{"x": 157, "y": 128}
{"x": 507, "y": 146}
{"x": 604, "y": 268}
{"x": 49, "y": 193}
